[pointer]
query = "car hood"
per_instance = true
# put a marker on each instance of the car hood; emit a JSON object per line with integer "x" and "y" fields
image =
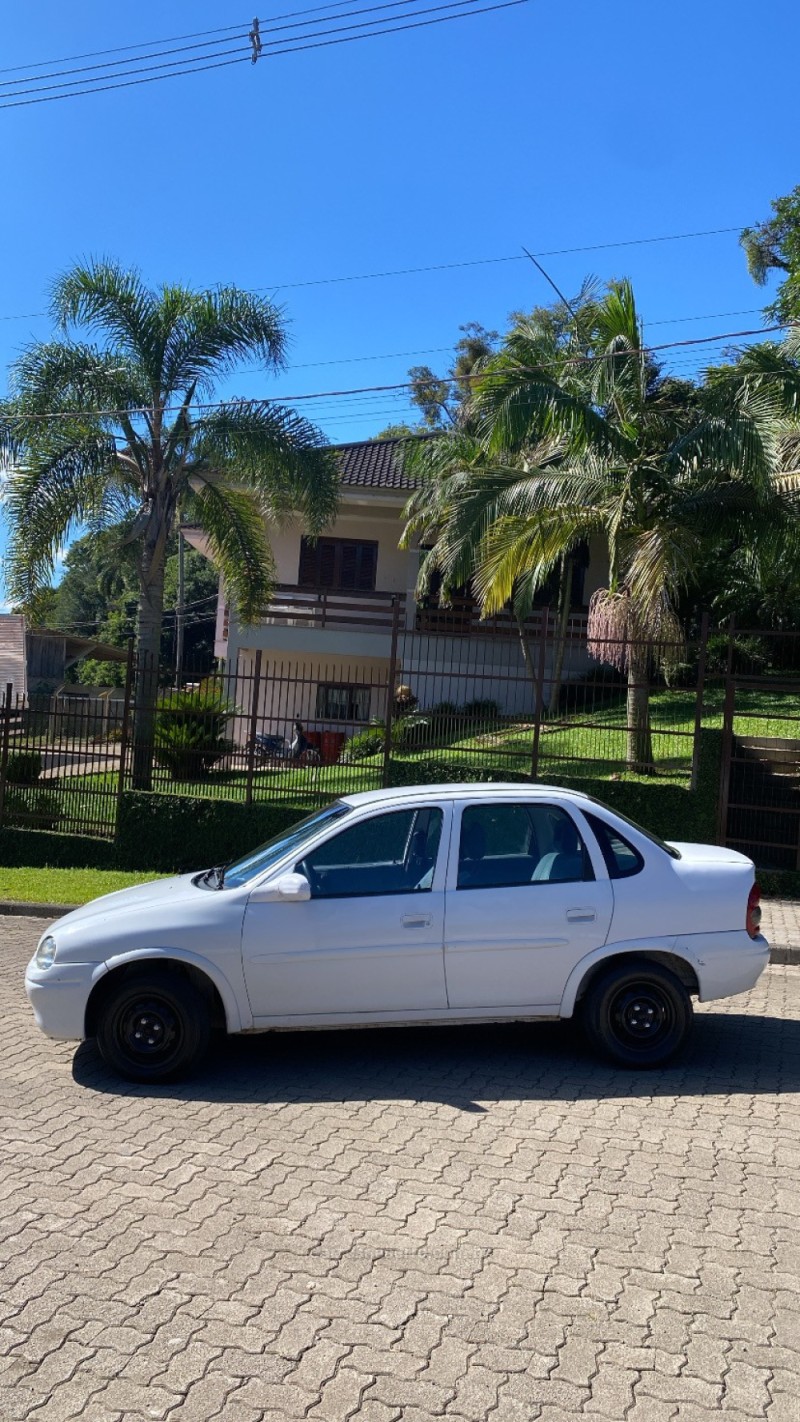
{"x": 140, "y": 896}
{"x": 166, "y": 914}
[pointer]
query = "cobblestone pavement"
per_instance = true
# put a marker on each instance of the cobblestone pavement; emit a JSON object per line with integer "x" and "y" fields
{"x": 781, "y": 922}
{"x": 469, "y": 1224}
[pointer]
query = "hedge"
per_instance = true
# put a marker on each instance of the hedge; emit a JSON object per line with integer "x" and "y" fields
{"x": 172, "y": 832}
{"x": 41, "y": 849}
{"x": 179, "y": 832}
{"x": 670, "y": 810}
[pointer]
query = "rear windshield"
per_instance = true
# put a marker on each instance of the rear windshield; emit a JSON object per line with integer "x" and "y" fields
{"x": 640, "y": 829}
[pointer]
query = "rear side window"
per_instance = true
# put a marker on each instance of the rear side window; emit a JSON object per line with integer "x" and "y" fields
{"x": 507, "y": 845}
{"x": 622, "y": 860}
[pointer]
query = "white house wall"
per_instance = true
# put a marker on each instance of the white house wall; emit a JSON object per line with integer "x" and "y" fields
{"x": 288, "y": 690}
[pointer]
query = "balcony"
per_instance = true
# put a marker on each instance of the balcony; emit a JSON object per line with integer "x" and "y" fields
{"x": 293, "y": 606}
{"x": 368, "y": 611}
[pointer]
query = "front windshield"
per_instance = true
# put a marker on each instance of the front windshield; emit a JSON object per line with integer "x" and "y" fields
{"x": 263, "y": 858}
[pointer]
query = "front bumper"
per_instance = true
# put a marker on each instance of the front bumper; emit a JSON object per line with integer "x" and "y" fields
{"x": 59, "y": 995}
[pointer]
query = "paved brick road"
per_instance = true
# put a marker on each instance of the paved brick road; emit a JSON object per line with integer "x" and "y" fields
{"x": 471, "y": 1224}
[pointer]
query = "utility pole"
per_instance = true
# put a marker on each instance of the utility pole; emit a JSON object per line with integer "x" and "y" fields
{"x": 179, "y": 612}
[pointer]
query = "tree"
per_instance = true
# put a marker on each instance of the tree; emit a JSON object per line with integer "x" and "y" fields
{"x": 442, "y": 398}
{"x": 578, "y": 434}
{"x": 774, "y": 246}
{"x": 110, "y": 425}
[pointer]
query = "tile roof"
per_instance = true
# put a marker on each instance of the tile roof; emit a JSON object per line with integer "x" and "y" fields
{"x": 12, "y": 654}
{"x": 376, "y": 463}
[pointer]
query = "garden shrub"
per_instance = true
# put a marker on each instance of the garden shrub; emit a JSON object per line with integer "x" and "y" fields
{"x": 482, "y": 709}
{"x": 190, "y": 730}
{"x": 23, "y": 767}
{"x": 31, "y": 806}
{"x": 364, "y": 743}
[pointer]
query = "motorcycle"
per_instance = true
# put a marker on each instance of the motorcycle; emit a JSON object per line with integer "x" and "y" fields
{"x": 277, "y": 751}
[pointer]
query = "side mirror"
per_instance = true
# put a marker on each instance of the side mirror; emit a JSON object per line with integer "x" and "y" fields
{"x": 290, "y": 888}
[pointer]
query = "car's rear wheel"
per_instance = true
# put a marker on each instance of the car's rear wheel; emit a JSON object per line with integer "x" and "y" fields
{"x": 639, "y": 1014}
{"x": 153, "y": 1026}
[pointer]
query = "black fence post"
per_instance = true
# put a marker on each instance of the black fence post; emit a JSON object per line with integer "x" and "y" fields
{"x": 702, "y": 652}
{"x": 251, "y": 739}
{"x": 727, "y": 753}
{"x": 390, "y": 690}
{"x": 537, "y": 725}
{"x": 7, "y": 702}
{"x": 124, "y": 735}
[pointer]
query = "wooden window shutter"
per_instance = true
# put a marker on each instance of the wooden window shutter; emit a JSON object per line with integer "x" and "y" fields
{"x": 307, "y": 573}
{"x": 367, "y": 567}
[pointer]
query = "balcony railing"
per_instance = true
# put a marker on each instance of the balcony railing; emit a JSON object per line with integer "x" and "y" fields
{"x": 370, "y": 611}
{"x": 461, "y": 618}
{"x": 293, "y": 606}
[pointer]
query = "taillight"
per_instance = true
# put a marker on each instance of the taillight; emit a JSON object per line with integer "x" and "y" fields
{"x": 753, "y": 920}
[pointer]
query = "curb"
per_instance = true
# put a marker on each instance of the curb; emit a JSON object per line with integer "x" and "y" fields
{"x": 785, "y": 953}
{"x": 22, "y": 910}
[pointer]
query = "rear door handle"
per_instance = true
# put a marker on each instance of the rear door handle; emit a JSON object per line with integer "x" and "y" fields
{"x": 581, "y": 915}
{"x": 416, "y": 920}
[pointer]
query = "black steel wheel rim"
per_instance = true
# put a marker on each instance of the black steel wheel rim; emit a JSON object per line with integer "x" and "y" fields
{"x": 149, "y": 1030}
{"x": 641, "y": 1016}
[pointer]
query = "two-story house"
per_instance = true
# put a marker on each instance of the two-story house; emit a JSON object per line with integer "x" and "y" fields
{"x": 344, "y": 616}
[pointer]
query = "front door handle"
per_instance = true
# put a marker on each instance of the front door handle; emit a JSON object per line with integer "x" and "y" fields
{"x": 581, "y": 915}
{"x": 416, "y": 920}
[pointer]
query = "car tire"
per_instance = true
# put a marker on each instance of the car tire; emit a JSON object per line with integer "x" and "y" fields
{"x": 153, "y": 1026}
{"x": 638, "y": 1013}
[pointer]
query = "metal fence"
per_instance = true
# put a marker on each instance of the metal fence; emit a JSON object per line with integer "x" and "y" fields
{"x": 759, "y": 804}
{"x": 463, "y": 699}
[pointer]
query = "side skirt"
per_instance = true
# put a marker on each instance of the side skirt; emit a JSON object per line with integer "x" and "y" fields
{"x": 326, "y": 1022}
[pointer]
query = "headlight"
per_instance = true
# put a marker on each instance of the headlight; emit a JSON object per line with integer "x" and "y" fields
{"x": 46, "y": 952}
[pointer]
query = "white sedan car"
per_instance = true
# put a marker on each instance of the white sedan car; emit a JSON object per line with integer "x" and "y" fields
{"x": 448, "y": 903}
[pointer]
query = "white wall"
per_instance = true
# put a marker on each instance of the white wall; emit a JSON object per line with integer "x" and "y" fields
{"x": 381, "y": 526}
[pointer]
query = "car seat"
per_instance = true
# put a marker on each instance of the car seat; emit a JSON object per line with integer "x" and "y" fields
{"x": 563, "y": 863}
{"x": 473, "y": 849}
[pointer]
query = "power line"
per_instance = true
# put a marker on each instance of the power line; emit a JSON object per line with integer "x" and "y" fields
{"x": 171, "y": 39}
{"x": 482, "y": 262}
{"x": 494, "y": 261}
{"x": 448, "y": 350}
{"x": 284, "y": 400}
{"x": 289, "y": 49}
{"x": 172, "y": 64}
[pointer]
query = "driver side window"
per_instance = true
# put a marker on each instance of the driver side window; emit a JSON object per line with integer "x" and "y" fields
{"x": 388, "y": 854}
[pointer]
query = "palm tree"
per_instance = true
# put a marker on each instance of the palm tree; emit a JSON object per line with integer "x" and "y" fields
{"x": 109, "y": 423}
{"x": 595, "y": 441}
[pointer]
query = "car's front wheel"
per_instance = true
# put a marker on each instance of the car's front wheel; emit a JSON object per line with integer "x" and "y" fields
{"x": 639, "y": 1014}
{"x": 153, "y": 1026}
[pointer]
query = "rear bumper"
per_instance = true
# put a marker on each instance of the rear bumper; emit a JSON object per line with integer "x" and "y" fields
{"x": 725, "y": 963}
{"x": 59, "y": 996}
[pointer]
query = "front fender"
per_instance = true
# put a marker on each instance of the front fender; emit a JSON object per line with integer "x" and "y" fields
{"x": 235, "y": 1019}
{"x": 677, "y": 948}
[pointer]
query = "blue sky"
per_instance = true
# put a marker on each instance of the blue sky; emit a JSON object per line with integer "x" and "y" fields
{"x": 545, "y": 125}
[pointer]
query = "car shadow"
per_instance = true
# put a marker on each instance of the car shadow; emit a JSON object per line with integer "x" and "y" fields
{"x": 469, "y": 1068}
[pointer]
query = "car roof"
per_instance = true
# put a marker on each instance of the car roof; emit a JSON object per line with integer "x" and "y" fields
{"x": 460, "y": 791}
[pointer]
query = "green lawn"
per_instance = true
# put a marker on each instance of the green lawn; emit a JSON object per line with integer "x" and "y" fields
{"x": 65, "y": 886}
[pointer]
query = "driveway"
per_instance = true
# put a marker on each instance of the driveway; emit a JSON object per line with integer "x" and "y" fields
{"x": 470, "y": 1224}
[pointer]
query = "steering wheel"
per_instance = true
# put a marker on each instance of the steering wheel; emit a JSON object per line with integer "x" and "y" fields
{"x": 311, "y": 874}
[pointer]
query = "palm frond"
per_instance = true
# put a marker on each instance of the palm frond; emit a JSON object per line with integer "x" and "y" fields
{"x": 276, "y": 453}
{"x": 236, "y": 528}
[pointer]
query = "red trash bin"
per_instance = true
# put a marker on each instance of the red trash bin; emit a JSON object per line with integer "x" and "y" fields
{"x": 331, "y": 743}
